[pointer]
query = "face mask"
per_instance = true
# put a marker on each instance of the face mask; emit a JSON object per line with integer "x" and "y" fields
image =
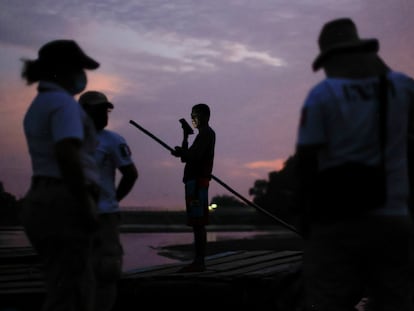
{"x": 79, "y": 83}
{"x": 101, "y": 119}
{"x": 99, "y": 116}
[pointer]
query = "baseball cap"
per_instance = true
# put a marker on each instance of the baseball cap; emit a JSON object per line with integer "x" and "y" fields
{"x": 65, "y": 54}
{"x": 94, "y": 98}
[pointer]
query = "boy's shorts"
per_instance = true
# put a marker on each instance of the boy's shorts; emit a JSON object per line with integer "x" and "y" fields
{"x": 196, "y": 199}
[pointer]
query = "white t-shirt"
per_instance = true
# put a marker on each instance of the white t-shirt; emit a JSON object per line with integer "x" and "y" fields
{"x": 342, "y": 115}
{"x": 112, "y": 152}
{"x": 53, "y": 116}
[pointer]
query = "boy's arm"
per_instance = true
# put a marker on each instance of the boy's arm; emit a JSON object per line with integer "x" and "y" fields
{"x": 129, "y": 177}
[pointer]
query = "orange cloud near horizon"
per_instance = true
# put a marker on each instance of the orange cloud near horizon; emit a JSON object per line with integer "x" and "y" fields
{"x": 273, "y": 165}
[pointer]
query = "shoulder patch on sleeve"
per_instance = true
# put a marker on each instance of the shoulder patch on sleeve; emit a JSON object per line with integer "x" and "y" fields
{"x": 124, "y": 150}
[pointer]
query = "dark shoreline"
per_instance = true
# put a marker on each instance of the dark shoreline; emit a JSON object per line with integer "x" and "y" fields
{"x": 226, "y": 216}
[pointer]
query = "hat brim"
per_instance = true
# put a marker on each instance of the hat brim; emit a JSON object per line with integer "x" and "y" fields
{"x": 89, "y": 63}
{"x": 367, "y": 45}
{"x": 108, "y": 105}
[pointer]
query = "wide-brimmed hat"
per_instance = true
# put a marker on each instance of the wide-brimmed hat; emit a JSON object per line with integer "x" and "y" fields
{"x": 94, "y": 98}
{"x": 341, "y": 35}
{"x": 65, "y": 54}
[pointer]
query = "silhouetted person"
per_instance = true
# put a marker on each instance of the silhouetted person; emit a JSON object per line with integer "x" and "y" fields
{"x": 113, "y": 156}
{"x": 356, "y": 249}
{"x": 59, "y": 212}
{"x": 198, "y": 159}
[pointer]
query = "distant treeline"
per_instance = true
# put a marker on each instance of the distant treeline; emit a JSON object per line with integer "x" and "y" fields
{"x": 276, "y": 195}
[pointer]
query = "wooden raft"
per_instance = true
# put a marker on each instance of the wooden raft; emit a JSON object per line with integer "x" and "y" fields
{"x": 248, "y": 280}
{"x": 242, "y": 279}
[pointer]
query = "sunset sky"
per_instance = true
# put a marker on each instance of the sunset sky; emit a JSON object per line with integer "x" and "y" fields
{"x": 249, "y": 60}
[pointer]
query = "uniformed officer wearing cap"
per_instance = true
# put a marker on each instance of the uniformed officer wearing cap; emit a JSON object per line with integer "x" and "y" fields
{"x": 59, "y": 212}
{"x": 112, "y": 155}
{"x": 355, "y": 249}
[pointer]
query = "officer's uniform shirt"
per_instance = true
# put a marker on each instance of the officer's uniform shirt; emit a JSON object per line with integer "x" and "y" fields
{"x": 341, "y": 114}
{"x": 55, "y": 115}
{"x": 112, "y": 152}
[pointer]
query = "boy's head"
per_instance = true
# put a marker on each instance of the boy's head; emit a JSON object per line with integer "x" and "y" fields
{"x": 200, "y": 115}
